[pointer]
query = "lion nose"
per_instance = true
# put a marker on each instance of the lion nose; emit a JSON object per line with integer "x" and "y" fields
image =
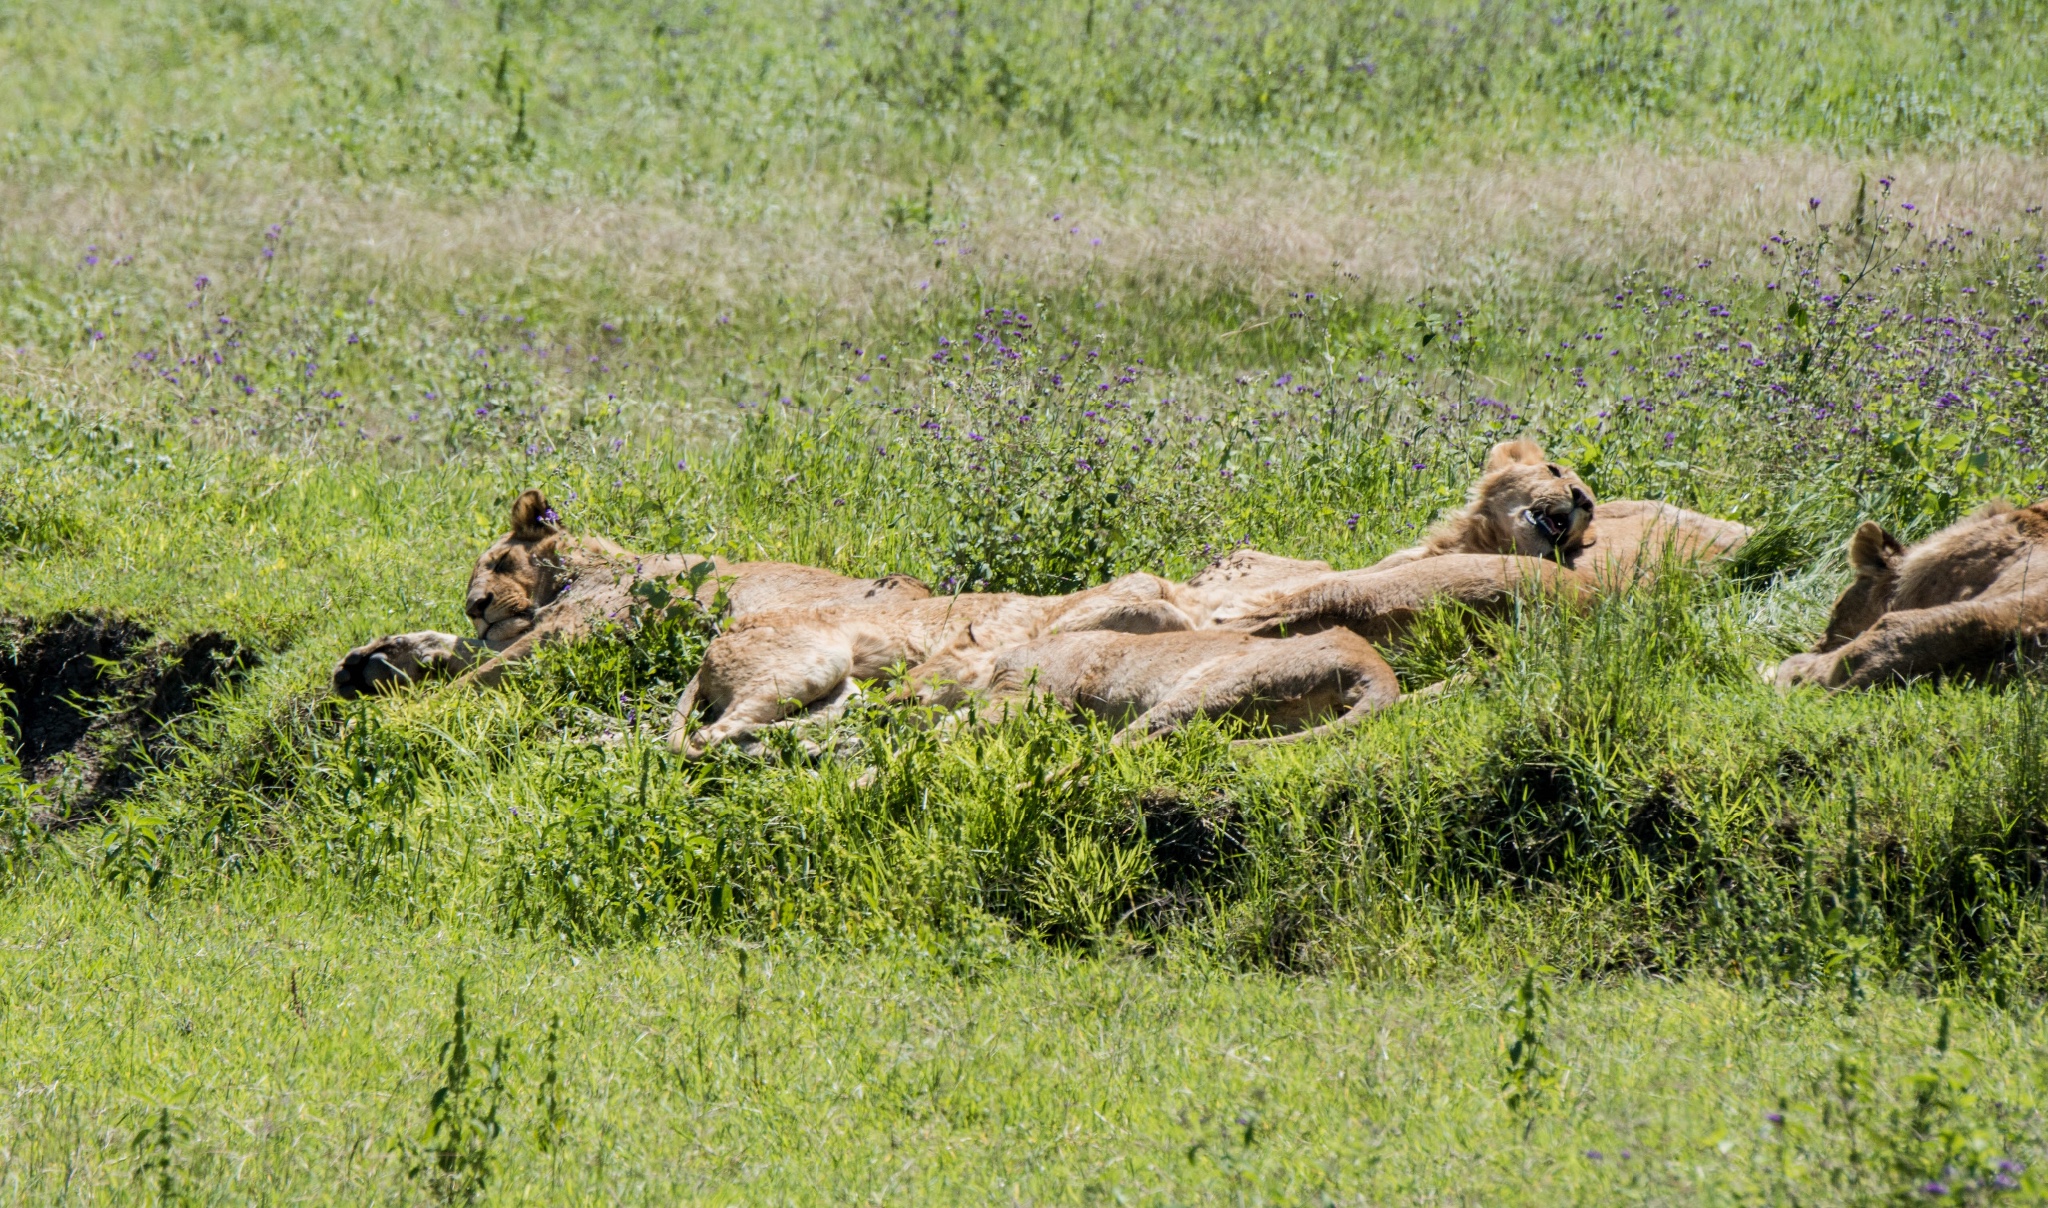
{"x": 477, "y": 606}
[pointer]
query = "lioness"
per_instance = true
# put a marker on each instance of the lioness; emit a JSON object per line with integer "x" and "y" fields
{"x": 1147, "y": 684}
{"x": 538, "y": 584}
{"x": 1963, "y": 600}
{"x": 773, "y": 664}
{"x": 1524, "y": 504}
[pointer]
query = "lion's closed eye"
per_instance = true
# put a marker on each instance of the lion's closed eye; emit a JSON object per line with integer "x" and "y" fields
{"x": 1555, "y": 472}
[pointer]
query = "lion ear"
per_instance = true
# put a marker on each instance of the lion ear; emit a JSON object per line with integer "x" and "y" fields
{"x": 1872, "y": 550}
{"x": 532, "y": 518}
{"x": 1513, "y": 453}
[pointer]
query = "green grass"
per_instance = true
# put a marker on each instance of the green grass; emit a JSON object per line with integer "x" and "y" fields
{"x": 294, "y": 300}
{"x": 295, "y": 1048}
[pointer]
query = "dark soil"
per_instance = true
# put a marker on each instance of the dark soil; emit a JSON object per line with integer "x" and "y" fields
{"x": 96, "y": 700}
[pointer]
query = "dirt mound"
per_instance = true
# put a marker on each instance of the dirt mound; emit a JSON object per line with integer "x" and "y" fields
{"x": 95, "y": 700}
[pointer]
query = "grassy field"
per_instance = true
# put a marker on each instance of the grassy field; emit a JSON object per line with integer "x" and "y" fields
{"x": 294, "y": 299}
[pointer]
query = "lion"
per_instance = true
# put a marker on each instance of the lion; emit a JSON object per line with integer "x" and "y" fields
{"x": 538, "y": 584}
{"x": 1147, "y": 684}
{"x": 1380, "y": 604}
{"x": 811, "y": 660}
{"x": 1524, "y": 504}
{"x": 1964, "y": 601}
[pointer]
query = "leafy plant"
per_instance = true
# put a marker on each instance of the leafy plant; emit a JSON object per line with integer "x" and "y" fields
{"x": 454, "y": 1156}
{"x": 155, "y": 1150}
{"x": 1928, "y": 1137}
{"x": 551, "y": 1111}
{"x": 1528, "y": 1069}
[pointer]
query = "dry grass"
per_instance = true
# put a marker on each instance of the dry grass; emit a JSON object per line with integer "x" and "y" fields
{"x": 1462, "y": 230}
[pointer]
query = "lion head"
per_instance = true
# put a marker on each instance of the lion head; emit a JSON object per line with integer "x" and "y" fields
{"x": 1521, "y": 505}
{"x": 522, "y": 572}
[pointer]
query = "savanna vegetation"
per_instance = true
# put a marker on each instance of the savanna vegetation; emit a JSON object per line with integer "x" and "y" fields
{"x": 294, "y": 299}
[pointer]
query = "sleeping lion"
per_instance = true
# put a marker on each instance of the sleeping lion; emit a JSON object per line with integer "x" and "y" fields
{"x": 538, "y": 584}
{"x": 1966, "y": 600}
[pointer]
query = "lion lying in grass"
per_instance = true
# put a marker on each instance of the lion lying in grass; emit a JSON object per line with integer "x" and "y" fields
{"x": 538, "y": 584}
{"x": 1147, "y": 684}
{"x": 767, "y": 667}
{"x": 1526, "y": 505}
{"x": 1964, "y": 600}
{"x": 1530, "y": 525}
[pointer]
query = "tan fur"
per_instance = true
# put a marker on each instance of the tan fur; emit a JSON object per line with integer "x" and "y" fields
{"x": 537, "y": 584}
{"x": 1522, "y": 504}
{"x": 1147, "y": 684}
{"x": 783, "y": 662}
{"x": 405, "y": 658}
{"x": 1242, "y": 575}
{"x": 1963, "y": 600}
{"x": 1630, "y": 538}
{"x": 1379, "y": 605}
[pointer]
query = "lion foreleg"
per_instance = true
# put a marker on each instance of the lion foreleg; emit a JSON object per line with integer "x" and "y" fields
{"x": 405, "y": 658}
{"x": 493, "y": 672}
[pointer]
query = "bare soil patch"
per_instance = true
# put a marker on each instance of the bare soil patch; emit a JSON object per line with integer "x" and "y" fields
{"x": 96, "y": 701}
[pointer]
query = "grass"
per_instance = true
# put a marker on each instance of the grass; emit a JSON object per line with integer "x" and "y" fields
{"x": 295, "y": 1048}
{"x": 295, "y": 301}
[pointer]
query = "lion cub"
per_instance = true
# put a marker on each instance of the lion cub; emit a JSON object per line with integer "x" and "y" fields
{"x": 1522, "y": 504}
{"x": 1525, "y": 504}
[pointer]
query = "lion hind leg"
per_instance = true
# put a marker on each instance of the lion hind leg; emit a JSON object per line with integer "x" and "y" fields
{"x": 770, "y": 698}
{"x": 1926, "y": 641}
{"x": 1369, "y": 702}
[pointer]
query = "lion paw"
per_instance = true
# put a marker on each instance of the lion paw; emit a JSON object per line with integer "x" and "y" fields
{"x": 403, "y": 658}
{"x": 1802, "y": 669}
